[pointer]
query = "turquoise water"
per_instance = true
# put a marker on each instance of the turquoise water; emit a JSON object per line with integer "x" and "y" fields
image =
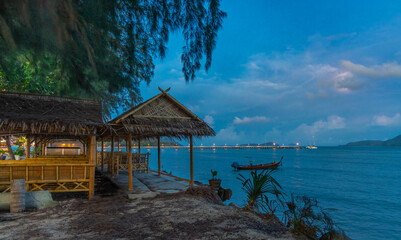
{"x": 360, "y": 186}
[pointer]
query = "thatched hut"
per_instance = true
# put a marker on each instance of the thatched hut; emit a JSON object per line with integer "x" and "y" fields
{"x": 42, "y": 119}
{"x": 160, "y": 116}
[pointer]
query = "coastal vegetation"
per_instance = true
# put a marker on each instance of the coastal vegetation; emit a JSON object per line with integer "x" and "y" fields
{"x": 257, "y": 187}
{"x": 302, "y": 214}
{"x": 100, "y": 49}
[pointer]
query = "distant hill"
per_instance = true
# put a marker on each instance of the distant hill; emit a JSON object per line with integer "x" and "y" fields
{"x": 392, "y": 142}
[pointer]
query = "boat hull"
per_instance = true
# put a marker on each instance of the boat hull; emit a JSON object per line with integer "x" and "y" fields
{"x": 254, "y": 167}
{"x": 258, "y": 167}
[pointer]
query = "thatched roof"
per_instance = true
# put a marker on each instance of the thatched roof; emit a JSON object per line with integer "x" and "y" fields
{"x": 23, "y": 113}
{"x": 161, "y": 115}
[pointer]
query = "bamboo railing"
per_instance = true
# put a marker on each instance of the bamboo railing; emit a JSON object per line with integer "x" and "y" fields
{"x": 53, "y": 174}
{"x": 140, "y": 162}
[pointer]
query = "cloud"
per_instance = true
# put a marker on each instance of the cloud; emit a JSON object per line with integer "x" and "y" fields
{"x": 386, "y": 70}
{"x": 227, "y": 135}
{"x": 209, "y": 120}
{"x": 335, "y": 78}
{"x": 382, "y": 120}
{"x": 247, "y": 120}
{"x": 332, "y": 122}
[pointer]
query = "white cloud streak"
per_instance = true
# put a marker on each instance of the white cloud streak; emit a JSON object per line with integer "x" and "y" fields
{"x": 247, "y": 120}
{"x": 385, "y": 70}
{"x": 332, "y": 122}
{"x": 383, "y": 120}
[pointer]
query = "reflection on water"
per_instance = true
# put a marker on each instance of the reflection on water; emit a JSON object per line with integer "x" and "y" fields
{"x": 362, "y": 185}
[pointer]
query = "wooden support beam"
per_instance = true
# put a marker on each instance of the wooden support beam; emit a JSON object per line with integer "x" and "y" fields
{"x": 28, "y": 147}
{"x": 118, "y": 143}
{"x": 92, "y": 160}
{"x": 191, "y": 156}
{"x": 35, "y": 149}
{"x": 129, "y": 149}
{"x": 139, "y": 144}
{"x": 102, "y": 156}
{"x": 44, "y": 145}
{"x": 10, "y": 151}
{"x": 112, "y": 157}
{"x": 158, "y": 155}
{"x": 40, "y": 148}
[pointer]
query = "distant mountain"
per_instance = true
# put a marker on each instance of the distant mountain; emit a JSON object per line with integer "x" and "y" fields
{"x": 392, "y": 142}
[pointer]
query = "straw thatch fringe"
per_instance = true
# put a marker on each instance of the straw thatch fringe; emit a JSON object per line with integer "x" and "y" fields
{"x": 24, "y": 113}
{"x": 161, "y": 115}
{"x": 170, "y": 127}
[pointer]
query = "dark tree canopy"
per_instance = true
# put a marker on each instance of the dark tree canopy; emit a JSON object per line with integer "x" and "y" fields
{"x": 100, "y": 48}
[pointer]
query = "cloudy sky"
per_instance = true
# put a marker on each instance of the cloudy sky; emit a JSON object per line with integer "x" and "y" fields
{"x": 288, "y": 71}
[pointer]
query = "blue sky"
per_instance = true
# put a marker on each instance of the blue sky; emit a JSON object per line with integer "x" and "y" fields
{"x": 288, "y": 71}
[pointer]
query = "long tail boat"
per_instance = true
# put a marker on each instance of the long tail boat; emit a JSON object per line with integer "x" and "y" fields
{"x": 258, "y": 166}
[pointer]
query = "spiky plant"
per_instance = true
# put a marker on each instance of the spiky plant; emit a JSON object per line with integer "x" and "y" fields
{"x": 258, "y": 185}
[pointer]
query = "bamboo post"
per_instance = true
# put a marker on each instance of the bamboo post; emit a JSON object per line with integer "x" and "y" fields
{"x": 44, "y": 148}
{"x": 9, "y": 149}
{"x": 84, "y": 148}
{"x": 92, "y": 160}
{"x": 39, "y": 142}
{"x": 118, "y": 144}
{"x": 139, "y": 145}
{"x": 158, "y": 155}
{"x": 129, "y": 156}
{"x": 191, "y": 154}
{"x": 102, "y": 156}
{"x": 28, "y": 147}
{"x": 35, "y": 149}
{"x": 112, "y": 156}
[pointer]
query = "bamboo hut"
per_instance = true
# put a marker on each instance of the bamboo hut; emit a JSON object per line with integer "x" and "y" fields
{"x": 160, "y": 116}
{"x": 44, "y": 119}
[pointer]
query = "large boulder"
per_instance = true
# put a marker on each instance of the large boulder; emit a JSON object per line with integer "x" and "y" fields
{"x": 225, "y": 194}
{"x": 205, "y": 192}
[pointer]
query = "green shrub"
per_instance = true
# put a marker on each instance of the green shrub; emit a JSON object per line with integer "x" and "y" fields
{"x": 303, "y": 215}
{"x": 257, "y": 187}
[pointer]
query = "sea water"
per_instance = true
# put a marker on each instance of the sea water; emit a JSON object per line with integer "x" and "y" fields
{"x": 359, "y": 186}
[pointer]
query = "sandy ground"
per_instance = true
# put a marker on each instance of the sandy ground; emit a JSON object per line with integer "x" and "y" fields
{"x": 113, "y": 216}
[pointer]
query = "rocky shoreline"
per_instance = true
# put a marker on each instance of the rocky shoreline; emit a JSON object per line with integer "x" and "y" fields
{"x": 186, "y": 215}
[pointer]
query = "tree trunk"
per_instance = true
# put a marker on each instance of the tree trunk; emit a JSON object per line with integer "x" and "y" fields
{"x": 10, "y": 151}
